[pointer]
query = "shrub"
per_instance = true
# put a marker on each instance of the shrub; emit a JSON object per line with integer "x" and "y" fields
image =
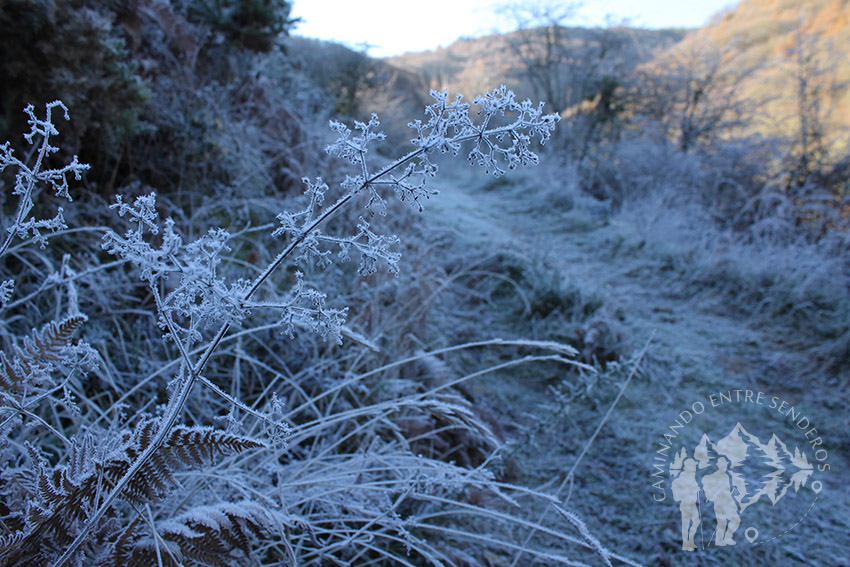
{"x": 43, "y": 44}
{"x": 253, "y": 24}
{"x": 177, "y": 95}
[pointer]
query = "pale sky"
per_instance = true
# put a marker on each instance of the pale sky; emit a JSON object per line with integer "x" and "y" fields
{"x": 392, "y": 27}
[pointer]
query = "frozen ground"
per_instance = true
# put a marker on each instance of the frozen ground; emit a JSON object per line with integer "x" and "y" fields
{"x": 700, "y": 345}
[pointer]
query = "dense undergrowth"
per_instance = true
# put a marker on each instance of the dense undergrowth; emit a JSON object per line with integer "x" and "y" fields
{"x": 193, "y": 431}
{"x": 221, "y": 368}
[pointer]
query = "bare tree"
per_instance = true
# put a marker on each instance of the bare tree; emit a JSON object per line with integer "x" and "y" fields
{"x": 345, "y": 72}
{"x": 563, "y": 64}
{"x": 812, "y": 71}
{"x": 692, "y": 92}
{"x": 578, "y": 71}
{"x": 541, "y": 43}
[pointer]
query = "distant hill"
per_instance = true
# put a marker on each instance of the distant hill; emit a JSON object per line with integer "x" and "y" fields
{"x": 781, "y": 49}
{"x": 767, "y": 48}
{"x": 757, "y": 67}
{"x": 476, "y": 65}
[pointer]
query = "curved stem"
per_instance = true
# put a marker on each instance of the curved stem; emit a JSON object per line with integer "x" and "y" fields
{"x": 179, "y": 399}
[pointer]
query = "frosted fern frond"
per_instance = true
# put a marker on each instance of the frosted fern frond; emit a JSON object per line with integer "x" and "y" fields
{"x": 205, "y": 535}
{"x": 32, "y": 364}
{"x": 28, "y": 179}
{"x": 67, "y": 495}
{"x": 184, "y": 447}
{"x": 47, "y": 343}
{"x": 194, "y": 446}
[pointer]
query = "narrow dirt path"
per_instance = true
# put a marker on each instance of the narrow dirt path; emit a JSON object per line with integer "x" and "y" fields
{"x": 688, "y": 328}
{"x": 699, "y": 348}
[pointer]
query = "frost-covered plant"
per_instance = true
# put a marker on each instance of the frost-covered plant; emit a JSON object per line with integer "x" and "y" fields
{"x": 127, "y": 484}
{"x": 503, "y": 136}
{"x": 27, "y": 368}
{"x": 28, "y": 181}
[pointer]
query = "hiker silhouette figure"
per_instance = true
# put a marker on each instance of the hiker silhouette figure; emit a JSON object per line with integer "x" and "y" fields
{"x": 686, "y": 491}
{"x": 719, "y": 490}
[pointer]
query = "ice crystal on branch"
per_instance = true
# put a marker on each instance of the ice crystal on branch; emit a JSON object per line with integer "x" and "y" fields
{"x": 142, "y": 211}
{"x": 6, "y": 290}
{"x": 354, "y": 149}
{"x": 28, "y": 180}
{"x": 154, "y": 263}
{"x": 502, "y": 134}
{"x": 304, "y": 307}
{"x": 198, "y": 297}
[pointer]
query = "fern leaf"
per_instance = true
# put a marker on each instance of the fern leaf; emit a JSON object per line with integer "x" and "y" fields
{"x": 8, "y": 546}
{"x": 207, "y": 535}
{"x": 11, "y": 380}
{"x": 198, "y": 445}
{"x": 31, "y": 362}
{"x": 122, "y": 549}
{"x": 184, "y": 447}
{"x": 67, "y": 494}
{"x": 46, "y": 344}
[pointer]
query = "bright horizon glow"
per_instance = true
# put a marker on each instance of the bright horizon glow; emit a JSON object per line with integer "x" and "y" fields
{"x": 393, "y": 27}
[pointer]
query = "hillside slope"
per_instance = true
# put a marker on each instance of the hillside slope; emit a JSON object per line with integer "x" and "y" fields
{"x": 789, "y": 58}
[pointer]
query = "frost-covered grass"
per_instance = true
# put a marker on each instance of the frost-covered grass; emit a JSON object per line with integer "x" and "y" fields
{"x": 180, "y": 393}
{"x": 771, "y": 272}
{"x": 242, "y": 393}
{"x": 759, "y": 306}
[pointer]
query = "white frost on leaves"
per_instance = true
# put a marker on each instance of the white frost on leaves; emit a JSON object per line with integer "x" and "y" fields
{"x": 7, "y": 288}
